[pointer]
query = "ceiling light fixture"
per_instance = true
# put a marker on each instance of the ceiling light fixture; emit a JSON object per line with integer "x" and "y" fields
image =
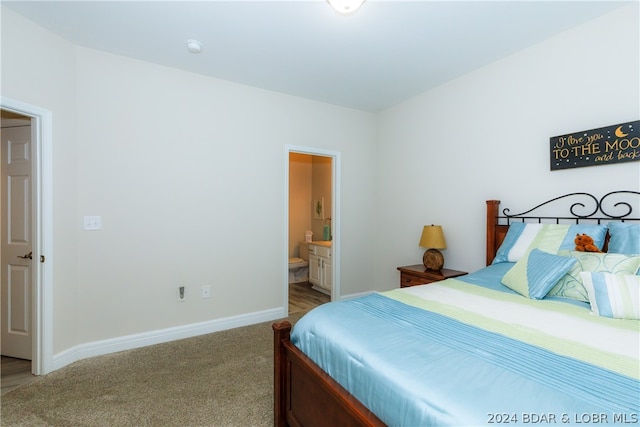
{"x": 345, "y": 7}
{"x": 194, "y": 46}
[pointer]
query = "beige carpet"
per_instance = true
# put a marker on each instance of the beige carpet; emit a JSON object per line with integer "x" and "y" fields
{"x": 219, "y": 379}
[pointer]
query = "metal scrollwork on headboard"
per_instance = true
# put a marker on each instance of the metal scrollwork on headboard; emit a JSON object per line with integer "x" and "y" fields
{"x": 612, "y": 206}
{"x": 620, "y": 203}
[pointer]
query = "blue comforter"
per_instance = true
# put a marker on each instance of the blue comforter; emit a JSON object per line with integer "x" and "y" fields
{"x": 416, "y": 357}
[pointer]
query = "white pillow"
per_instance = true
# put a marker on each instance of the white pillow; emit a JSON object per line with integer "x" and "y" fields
{"x": 613, "y": 295}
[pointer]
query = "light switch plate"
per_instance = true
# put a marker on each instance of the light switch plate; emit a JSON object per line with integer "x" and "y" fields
{"x": 93, "y": 223}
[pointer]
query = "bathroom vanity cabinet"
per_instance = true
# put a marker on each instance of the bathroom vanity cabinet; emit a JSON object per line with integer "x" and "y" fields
{"x": 321, "y": 266}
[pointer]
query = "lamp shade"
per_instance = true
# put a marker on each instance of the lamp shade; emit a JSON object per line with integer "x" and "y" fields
{"x": 432, "y": 237}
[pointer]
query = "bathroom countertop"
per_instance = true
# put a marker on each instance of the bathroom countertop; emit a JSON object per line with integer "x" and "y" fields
{"x": 325, "y": 243}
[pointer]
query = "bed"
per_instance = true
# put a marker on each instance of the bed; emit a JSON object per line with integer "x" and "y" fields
{"x": 518, "y": 342}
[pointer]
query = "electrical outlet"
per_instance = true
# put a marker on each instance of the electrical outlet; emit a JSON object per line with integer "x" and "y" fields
{"x": 93, "y": 223}
{"x": 181, "y": 293}
{"x": 206, "y": 291}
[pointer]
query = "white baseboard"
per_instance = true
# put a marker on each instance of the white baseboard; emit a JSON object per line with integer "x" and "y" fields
{"x": 360, "y": 294}
{"x": 129, "y": 342}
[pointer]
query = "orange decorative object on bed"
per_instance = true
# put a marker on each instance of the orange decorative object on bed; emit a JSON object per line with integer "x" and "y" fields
{"x": 584, "y": 243}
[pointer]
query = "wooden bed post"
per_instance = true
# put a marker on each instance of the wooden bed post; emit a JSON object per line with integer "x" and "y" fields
{"x": 282, "y": 331}
{"x": 305, "y": 395}
{"x": 492, "y": 221}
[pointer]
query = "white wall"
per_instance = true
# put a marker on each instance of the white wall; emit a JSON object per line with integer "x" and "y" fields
{"x": 187, "y": 173}
{"x": 486, "y": 136}
{"x": 38, "y": 69}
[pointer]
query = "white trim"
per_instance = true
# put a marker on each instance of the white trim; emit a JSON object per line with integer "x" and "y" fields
{"x": 358, "y": 295}
{"x": 42, "y": 351}
{"x": 335, "y": 215}
{"x": 129, "y": 342}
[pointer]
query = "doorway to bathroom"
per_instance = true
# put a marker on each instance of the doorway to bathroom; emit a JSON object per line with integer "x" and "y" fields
{"x": 312, "y": 241}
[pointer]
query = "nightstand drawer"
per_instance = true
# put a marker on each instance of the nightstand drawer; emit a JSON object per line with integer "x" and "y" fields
{"x": 412, "y": 275}
{"x": 410, "y": 280}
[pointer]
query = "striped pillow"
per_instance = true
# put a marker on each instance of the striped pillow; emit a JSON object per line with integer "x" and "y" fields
{"x": 535, "y": 274}
{"x": 552, "y": 238}
{"x": 613, "y": 295}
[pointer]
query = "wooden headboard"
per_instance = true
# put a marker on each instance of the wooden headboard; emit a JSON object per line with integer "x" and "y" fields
{"x": 613, "y": 206}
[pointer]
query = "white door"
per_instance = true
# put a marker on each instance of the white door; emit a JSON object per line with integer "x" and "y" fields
{"x": 17, "y": 270}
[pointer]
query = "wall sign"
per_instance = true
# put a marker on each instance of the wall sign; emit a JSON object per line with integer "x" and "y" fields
{"x": 603, "y": 146}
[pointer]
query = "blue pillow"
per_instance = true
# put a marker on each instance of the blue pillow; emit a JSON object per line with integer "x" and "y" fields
{"x": 552, "y": 238}
{"x": 624, "y": 238}
{"x": 523, "y": 237}
{"x": 595, "y": 231}
{"x": 534, "y": 275}
{"x": 515, "y": 230}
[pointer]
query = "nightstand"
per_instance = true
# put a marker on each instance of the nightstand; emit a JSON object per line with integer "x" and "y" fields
{"x": 412, "y": 275}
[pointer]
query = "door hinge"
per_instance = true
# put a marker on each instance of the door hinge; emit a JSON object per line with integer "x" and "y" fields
{"x": 41, "y": 258}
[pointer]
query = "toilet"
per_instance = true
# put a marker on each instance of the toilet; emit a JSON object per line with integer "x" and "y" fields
{"x": 299, "y": 266}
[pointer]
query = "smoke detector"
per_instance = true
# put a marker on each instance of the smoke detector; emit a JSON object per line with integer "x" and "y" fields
{"x": 194, "y": 46}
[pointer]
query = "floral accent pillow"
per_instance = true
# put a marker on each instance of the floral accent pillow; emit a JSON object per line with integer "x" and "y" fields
{"x": 571, "y": 286}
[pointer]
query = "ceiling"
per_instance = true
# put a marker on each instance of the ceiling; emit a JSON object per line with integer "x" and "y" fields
{"x": 385, "y": 53}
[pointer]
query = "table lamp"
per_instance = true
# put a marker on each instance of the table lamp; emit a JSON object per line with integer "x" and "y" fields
{"x": 433, "y": 238}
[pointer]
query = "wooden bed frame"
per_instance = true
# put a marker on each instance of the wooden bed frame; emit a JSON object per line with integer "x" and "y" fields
{"x": 304, "y": 395}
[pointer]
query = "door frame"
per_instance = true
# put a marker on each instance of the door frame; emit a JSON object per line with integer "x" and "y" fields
{"x": 335, "y": 217}
{"x": 42, "y": 226}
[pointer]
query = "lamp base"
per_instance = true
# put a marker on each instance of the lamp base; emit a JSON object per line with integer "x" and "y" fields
{"x": 433, "y": 259}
